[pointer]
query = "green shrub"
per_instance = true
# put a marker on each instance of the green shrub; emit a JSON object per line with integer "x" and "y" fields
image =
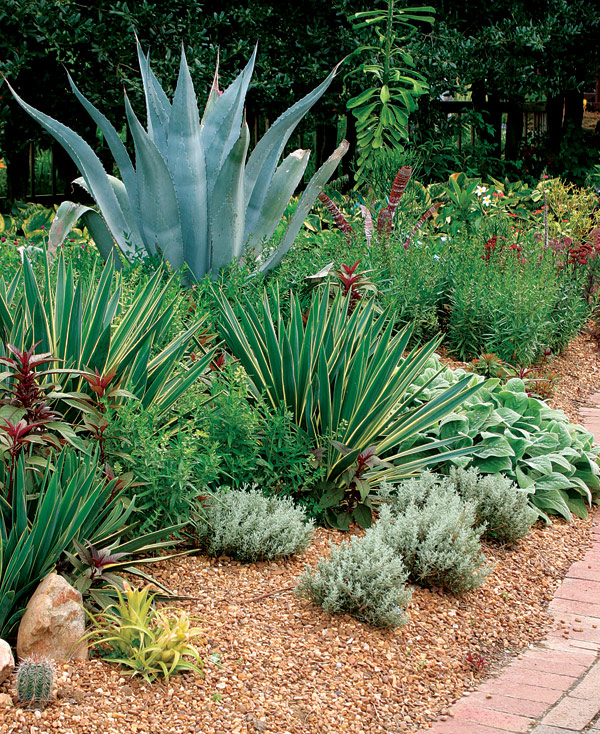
{"x": 434, "y": 531}
{"x": 499, "y": 503}
{"x": 246, "y": 525}
{"x": 362, "y": 577}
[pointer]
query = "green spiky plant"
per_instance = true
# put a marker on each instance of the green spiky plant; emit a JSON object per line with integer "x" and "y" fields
{"x": 35, "y": 677}
{"x": 193, "y": 196}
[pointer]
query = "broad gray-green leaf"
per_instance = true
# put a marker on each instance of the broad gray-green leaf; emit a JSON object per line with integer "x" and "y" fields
{"x": 226, "y": 206}
{"x": 311, "y": 192}
{"x": 101, "y": 236}
{"x": 222, "y": 123}
{"x": 66, "y": 218}
{"x": 161, "y": 224}
{"x": 91, "y": 169}
{"x": 158, "y": 107}
{"x": 265, "y": 156}
{"x": 187, "y": 164}
{"x": 261, "y": 224}
{"x": 112, "y": 139}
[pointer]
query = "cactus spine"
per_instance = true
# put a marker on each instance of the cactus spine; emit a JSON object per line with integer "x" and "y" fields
{"x": 35, "y": 678}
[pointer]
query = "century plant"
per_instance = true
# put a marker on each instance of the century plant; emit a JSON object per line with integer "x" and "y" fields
{"x": 346, "y": 380}
{"x": 194, "y": 196}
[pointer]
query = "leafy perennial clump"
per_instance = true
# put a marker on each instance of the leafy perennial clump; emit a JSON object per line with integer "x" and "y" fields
{"x": 248, "y": 526}
{"x": 363, "y": 577}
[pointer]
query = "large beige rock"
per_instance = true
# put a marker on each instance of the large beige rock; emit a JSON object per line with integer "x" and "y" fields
{"x": 53, "y": 623}
{"x": 7, "y": 661}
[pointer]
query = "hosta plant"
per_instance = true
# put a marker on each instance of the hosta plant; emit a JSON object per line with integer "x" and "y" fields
{"x": 511, "y": 433}
{"x": 346, "y": 380}
{"x": 194, "y": 196}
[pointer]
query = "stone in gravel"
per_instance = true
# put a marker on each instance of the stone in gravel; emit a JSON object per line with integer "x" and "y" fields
{"x": 53, "y": 623}
{"x": 7, "y": 661}
{"x": 6, "y": 701}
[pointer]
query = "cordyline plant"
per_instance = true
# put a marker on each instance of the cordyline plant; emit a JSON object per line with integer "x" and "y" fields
{"x": 193, "y": 196}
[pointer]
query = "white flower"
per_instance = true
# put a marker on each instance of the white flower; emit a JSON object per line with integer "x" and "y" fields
{"x": 480, "y": 190}
{"x": 436, "y": 257}
{"x": 444, "y": 239}
{"x": 487, "y": 200}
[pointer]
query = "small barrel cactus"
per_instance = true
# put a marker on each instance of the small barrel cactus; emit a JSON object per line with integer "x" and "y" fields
{"x": 35, "y": 678}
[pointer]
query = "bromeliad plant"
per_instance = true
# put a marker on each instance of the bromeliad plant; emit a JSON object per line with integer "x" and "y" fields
{"x": 346, "y": 381}
{"x": 147, "y": 641}
{"x": 192, "y": 196}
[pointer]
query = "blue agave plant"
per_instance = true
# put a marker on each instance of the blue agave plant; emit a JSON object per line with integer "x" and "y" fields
{"x": 194, "y": 196}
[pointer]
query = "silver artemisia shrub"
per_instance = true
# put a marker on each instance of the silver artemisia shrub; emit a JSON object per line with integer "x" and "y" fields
{"x": 429, "y": 525}
{"x": 499, "y": 503}
{"x": 363, "y": 577}
{"x": 248, "y": 526}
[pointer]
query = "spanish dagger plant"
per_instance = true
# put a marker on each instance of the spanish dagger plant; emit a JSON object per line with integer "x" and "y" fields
{"x": 194, "y": 196}
{"x": 344, "y": 376}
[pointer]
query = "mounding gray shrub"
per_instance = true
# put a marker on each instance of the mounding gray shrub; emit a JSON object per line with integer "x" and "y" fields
{"x": 362, "y": 577}
{"x": 433, "y": 529}
{"x": 248, "y": 526}
{"x": 499, "y": 503}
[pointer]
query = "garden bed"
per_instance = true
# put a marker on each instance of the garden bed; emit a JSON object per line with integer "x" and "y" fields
{"x": 287, "y": 666}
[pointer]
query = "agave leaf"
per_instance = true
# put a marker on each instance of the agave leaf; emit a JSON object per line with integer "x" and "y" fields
{"x": 222, "y": 123}
{"x": 314, "y": 187}
{"x": 101, "y": 236}
{"x": 158, "y": 107}
{"x": 265, "y": 156}
{"x": 213, "y": 94}
{"x": 113, "y": 141}
{"x": 187, "y": 164}
{"x": 66, "y": 217}
{"x": 125, "y": 204}
{"x": 90, "y": 167}
{"x": 161, "y": 224}
{"x": 226, "y": 207}
{"x": 283, "y": 184}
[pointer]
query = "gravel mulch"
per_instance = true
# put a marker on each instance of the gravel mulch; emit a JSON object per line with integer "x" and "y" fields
{"x": 276, "y": 663}
{"x": 287, "y": 666}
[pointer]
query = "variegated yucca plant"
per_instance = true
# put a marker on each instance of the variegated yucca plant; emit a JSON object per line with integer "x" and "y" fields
{"x": 194, "y": 196}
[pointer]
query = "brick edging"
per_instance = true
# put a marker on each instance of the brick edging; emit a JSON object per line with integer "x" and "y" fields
{"x": 554, "y": 686}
